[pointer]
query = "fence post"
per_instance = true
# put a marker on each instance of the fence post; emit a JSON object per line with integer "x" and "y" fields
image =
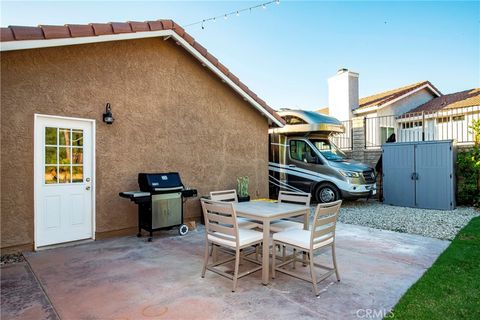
{"x": 423, "y": 125}
{"x": 351, "y": 135}
{"x": 365, "y": 131}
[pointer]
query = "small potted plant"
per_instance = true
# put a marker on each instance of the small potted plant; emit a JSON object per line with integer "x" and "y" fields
{"x": 242, "y": 189}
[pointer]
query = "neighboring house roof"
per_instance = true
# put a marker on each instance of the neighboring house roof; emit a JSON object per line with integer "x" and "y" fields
{"x": 382, "y": 99}
{"x": 23, "y": 37}
{"x": 467, "y": 98}
{"x": 324, "y": 111}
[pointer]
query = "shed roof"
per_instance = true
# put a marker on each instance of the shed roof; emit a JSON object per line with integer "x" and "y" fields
{"x": 25, "y": 37}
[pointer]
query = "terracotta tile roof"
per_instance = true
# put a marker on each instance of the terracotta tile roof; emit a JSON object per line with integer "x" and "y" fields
{"x": 44, "y": 32}
{"x": 467, "y": 98}
{"x": 382, "y": 98}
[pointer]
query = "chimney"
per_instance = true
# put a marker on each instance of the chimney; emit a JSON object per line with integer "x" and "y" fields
{"x": 343, "y": 94}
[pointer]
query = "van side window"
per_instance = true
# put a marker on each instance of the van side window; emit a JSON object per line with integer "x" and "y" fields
{"x": 301, "y": 151}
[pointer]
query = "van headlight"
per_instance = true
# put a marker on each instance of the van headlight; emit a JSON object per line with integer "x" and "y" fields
{"x": 350, "y": 174}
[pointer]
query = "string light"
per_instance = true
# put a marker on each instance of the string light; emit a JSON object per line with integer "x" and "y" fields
{"x": 236, "y": 13}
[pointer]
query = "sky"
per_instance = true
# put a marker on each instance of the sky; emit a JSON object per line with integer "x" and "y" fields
{"x": 286, "y": 52}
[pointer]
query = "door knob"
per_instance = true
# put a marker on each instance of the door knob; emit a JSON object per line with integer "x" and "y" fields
{"x": 87, "y": 188}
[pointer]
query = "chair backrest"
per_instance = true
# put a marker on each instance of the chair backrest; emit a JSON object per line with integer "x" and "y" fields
{"x": 325, "y": 222}
{"x": 220, "y": 219}
{"x": 294, "y": 197}
{"x": 224, "y": 195}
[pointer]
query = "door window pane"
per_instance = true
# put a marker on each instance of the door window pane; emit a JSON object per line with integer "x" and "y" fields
{"x": 50, "y": 174}
{"x": 65, "y": 155}
{"x": 50, "y": 136}
{"x": 64, "y": 137}
{"x": 77, "y": 155}
{"x": 64, "y": 176}
{"x": 77, "y": 137}
{"x": 77, "y": 174}
{"x": 51, "y": 155}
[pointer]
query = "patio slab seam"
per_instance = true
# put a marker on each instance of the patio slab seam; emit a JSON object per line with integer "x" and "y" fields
{"x": 42, "y": 288}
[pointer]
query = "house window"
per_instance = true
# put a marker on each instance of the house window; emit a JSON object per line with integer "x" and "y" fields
{"x": 458, "y": 118}
{"x": 411, "y": 124}
{"x": 443, "y": 120}
{"x": 385, "y": 133}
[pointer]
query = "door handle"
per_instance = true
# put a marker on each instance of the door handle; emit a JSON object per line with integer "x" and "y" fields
{"x": 87, "y": 188}
{"x": 87, "y": 179}
{"x": 414, "y": 176}
{"x": 292, "y": 166}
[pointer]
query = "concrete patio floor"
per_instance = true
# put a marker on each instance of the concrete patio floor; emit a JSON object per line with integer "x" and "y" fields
{"x": 128, "y": 278}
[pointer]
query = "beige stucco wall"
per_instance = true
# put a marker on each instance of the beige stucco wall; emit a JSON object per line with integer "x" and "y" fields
{"x": 171, "y": 114}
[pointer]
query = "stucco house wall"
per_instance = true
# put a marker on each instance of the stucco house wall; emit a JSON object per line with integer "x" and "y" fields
{"x": 171, "y": 114}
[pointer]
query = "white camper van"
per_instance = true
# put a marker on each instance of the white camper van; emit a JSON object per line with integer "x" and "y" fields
{"x": 303, "y": 158}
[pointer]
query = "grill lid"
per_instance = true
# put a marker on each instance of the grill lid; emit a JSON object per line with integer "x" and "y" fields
{"x": 159, "y": 181}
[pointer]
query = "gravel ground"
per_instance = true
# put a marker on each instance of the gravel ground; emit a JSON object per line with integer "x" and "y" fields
{"x": 430, "y": 223}
{"x": 11, "y": 258}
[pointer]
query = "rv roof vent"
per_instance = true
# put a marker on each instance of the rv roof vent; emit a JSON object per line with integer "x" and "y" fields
{"x": 342, "y": 70}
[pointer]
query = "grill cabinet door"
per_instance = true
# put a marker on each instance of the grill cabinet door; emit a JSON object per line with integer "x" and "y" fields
{"x": 434, "y": 166}
{"x": 166, "y": 210}
{"x": 398, "y": 167}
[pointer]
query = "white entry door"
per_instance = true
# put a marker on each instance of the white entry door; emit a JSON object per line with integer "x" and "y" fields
{"x": 63, "y": 180}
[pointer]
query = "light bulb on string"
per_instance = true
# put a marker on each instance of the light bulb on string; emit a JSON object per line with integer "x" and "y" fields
{"x": 236, "y": 12}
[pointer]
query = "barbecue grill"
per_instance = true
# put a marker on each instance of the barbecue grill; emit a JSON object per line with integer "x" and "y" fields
{"x": 160, "y": 202}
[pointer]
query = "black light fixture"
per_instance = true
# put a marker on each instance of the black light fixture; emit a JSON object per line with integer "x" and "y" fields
{"x": 108, "y": 116}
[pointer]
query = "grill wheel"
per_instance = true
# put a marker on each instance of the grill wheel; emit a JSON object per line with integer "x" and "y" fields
{"x": 183, "y": 229}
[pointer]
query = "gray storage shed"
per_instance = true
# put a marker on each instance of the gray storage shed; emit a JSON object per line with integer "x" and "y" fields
{"x": 420, "y": 174}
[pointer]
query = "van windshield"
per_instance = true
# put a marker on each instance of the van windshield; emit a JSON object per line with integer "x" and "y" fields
{"x": 329, "y": 150}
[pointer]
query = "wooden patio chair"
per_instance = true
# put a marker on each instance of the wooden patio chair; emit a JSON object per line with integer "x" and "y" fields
{"x": 231, "y": 196}
{"x": 286, "y": 224}
{"x": 322, "y": 235}
{"x": 222, "y": 230}
{"x": 295, "y": 198}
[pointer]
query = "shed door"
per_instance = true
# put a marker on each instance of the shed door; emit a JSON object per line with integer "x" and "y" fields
{"x": 433, "y": 162}
{"x": 63, "y": 180}
{"x": 398, "y": 166}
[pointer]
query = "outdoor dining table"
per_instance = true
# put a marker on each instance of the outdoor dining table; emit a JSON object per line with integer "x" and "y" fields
{"x": 266, "y": 212}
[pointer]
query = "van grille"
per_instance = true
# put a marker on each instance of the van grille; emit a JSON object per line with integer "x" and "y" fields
{"x": 369, "y": 176}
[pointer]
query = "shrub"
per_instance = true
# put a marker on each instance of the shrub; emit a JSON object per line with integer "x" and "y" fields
{"x": 468, "y": 167}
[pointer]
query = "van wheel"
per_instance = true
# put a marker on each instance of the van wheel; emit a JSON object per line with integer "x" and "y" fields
{"x": 327, "y": 192}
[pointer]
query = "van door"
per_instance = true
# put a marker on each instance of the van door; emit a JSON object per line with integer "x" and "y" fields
{"x": 301, "y": 165}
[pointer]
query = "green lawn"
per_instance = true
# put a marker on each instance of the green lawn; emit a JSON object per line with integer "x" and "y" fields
{"x": 450, "y": 289}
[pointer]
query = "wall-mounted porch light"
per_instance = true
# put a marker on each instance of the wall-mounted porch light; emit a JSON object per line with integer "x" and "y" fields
{"x": 108, "y": 116}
